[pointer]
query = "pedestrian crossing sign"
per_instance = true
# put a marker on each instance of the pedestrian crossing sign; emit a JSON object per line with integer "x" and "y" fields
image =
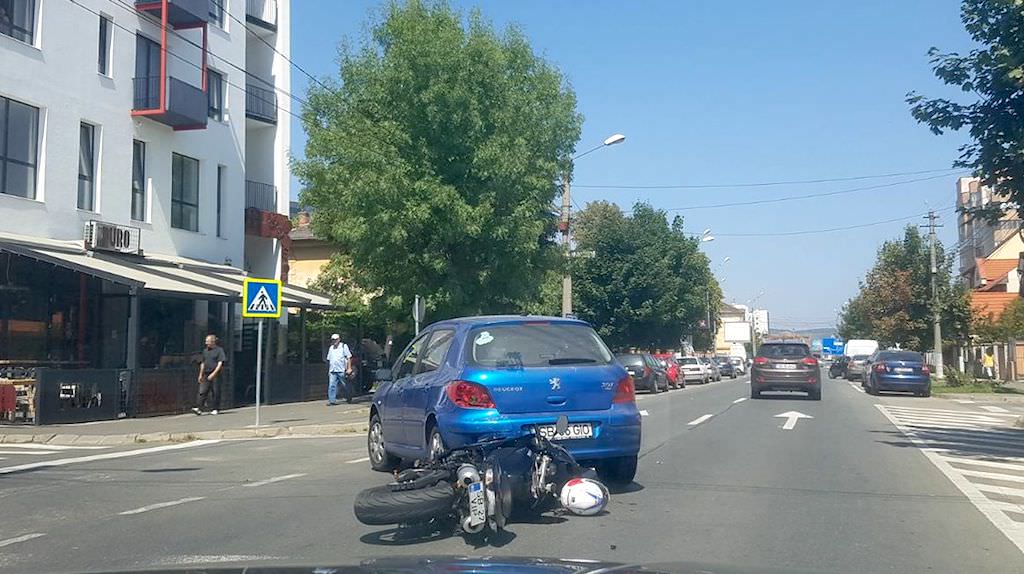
{"x": 261, "y": 298}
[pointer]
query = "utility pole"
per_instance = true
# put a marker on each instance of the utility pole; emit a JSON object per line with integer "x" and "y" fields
{"x": 711, "y": 326}
{"x": 936, "y": 314}
{"x": 567, "y": 247}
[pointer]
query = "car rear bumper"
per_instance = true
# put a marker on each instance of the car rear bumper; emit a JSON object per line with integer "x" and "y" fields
{"x": 694, "y": 376}
{"x": 773, "y": 380}
{"x": 898, "y": 383}
{"x": 616, "y": 430}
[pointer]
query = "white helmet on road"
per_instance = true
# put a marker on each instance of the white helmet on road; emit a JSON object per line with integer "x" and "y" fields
{"x": 584, "y": 496}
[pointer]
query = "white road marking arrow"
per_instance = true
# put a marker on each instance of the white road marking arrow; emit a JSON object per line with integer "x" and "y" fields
{"x": 791, "y": 418}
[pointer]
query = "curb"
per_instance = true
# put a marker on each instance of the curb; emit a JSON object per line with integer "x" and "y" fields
{"x": 156, "y": 437}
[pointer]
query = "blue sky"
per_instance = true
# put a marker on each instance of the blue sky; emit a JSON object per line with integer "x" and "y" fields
{"x": 718, "y": 93}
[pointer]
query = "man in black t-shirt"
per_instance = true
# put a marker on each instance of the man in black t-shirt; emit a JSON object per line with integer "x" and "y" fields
{"x": 209, "y": 376}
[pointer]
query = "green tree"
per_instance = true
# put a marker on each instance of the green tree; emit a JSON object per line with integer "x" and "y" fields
{"x": 647, "y": 284}
{"x": 431, "y": 160}
{"x": 894, "y": 304}
{"x": 993, "y": 74}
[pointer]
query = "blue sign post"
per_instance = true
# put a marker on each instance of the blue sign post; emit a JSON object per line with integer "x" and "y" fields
{"x": 832, "y": 347}
{"x": 261, "y": 299}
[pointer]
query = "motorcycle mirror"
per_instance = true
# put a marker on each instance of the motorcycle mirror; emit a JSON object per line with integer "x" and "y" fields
{"x": 562, "y": 424}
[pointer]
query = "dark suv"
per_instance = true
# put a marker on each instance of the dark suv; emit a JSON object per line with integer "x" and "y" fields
{"x": 785, "y": 367}
{"x": 646, "y": 372}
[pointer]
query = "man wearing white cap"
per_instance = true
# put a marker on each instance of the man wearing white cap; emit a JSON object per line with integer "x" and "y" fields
{"x": 339, "y": 364}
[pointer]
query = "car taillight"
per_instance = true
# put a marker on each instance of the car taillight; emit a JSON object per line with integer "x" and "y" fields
{"x": 810, "y": 361}
{"x": 881, "y": 368}
{"x": 625, "y": 392}
{"x": 469, "y": 395}
{"x": 925, "y": 370}
{"x": 760, "y": 361}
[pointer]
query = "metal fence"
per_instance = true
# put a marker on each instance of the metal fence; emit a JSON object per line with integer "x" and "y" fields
{"x": 260, "y": 103}
{"x": 262, "y": 196}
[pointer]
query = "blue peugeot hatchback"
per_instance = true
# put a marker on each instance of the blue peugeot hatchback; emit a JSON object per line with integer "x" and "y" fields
{"x": 466, "y": 379}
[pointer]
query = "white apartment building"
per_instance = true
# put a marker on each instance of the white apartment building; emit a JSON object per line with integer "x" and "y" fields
{"x": 143, "y": 172}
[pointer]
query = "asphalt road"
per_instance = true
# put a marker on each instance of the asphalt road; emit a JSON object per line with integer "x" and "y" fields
{"x": 721, "y": 480}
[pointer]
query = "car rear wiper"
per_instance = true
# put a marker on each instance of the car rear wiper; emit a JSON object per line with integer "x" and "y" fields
{"x": 570, "y": 360}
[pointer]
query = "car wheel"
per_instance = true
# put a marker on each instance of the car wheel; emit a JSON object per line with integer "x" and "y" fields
{"x": 435, "y": 444}
{"x": 754, "y": 393}
{"x": 653, "y": 387}
{"x": 814, "y": 395}
{"x": 733, "y": 376}
{"x": 926, "y": 393}
{"x": 618, "y": 471}
{"x": 870, "y": 388}
{"x": 380, "y": 460}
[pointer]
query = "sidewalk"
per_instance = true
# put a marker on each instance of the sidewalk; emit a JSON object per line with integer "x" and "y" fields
{"x": 309, "y": 418}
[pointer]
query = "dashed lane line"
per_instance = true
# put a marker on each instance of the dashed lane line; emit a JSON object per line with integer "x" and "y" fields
{"x": 739, "y": 400}
{"x": 160, "y": 505}
{"x": 358, "y": 460}
{"x": 699, "y": 420}
{"x": 23, "y": 538}
{"x": 274, "y": 479}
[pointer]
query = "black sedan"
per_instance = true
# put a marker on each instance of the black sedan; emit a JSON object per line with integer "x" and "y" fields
{"x": 726, "y": 367}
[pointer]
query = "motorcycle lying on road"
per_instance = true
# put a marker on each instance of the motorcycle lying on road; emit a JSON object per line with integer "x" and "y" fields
{"x": 477, "y": 485}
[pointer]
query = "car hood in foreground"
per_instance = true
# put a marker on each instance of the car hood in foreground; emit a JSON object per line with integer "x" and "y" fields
{"x": 474, "y": 565}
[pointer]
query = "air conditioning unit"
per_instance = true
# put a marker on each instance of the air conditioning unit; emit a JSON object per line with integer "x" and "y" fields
{"x": 101, "y": 236}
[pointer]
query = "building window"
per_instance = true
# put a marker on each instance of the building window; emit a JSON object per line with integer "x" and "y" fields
{"x": 106, "y": 37}
{"x": 18, "y": 19}
{"x": 215, "y": 95}
{"x": 217, "y": 12}
{"x": 138, "y": 180}
{"x": 147, "y": 74}
{"x": 221, "y": 171}
{"x": 184, "y": 193}
{"x": 19, "y": 145}
{"x": 87, "y": 167}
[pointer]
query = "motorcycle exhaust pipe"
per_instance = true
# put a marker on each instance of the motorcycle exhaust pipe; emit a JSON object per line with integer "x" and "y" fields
{"x": 467, "y": 474}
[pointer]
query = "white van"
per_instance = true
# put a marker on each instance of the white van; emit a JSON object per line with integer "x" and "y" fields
{"x": 860, "y": 347}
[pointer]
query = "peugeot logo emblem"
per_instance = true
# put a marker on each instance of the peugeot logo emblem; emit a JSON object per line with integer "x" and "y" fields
{"x": 555, "y": 383}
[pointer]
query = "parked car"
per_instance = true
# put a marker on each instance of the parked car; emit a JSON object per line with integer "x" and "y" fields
{"x": 712, "y": 368}
{"x": 838, "y": 367}
{"x": 739, "y": 364}
{"x": 667, "y": 360}
{"x": 898, "y": 371}
{"x": 725, "y": 367}
{"x": 462, "y": 380}
{"x": 642, "y": 370}
{"x": 855, "y": 367}
{"x": 660, "y": 372}
{"x": 785, "y": 367}
{"x": 693, "y": 370}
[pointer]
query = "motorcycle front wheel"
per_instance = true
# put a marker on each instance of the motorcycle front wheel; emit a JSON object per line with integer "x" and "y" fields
{"x": 380, "y": 505}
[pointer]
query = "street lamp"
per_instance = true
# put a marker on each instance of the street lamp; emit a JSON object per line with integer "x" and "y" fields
{"x": 566, "y": 210}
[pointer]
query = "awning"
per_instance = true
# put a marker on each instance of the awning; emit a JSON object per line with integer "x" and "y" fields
{"x": 171, "y": 276}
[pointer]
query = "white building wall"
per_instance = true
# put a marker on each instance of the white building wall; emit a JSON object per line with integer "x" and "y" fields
{"x": 59, "y": 76}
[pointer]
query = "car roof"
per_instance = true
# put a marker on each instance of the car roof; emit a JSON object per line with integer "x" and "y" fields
{"x": 482, "y": 320}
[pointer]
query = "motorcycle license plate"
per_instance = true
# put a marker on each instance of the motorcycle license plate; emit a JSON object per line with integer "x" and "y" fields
{"x": 572, "y": 432}
{"x": 477, "y": 504}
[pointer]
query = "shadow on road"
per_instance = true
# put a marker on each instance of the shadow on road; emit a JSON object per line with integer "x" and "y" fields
{"x": 983, "y": 444}
{"x": 626, "y": 488}
{"x": 783, "y": 396}
{"x": 177, "y": 469}
{"x": 422, "y": 534}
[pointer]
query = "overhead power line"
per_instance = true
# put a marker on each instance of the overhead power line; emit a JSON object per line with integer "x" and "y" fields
{"x": 765, "y": 183}
{"x": 806, "y": 196}
{"x": 831, "y": 229}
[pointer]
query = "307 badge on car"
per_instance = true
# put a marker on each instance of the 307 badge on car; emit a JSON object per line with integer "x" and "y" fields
{"x": 574, "y": 431}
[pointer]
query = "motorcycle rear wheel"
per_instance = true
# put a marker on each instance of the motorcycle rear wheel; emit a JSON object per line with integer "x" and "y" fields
{"x": 380, "y": 505}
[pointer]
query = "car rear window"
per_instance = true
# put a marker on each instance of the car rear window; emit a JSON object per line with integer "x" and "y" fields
{"x": 630, "y": 360}
{"x": 539, "y": 344}
{"x": 689, "y": 361}
{"x": 908, "y": 356}
{"x": 784, "y": 351}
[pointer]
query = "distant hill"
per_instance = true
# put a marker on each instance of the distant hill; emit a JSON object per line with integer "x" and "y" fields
{"x": 820, "y": 333}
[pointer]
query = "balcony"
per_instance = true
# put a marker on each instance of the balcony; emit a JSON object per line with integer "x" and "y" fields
{"x": 261, "y": 196}
{"x": 262, "y": 13}
{"x": 180, "y": 13}
{"x": 260, "y": 104}
{"x": 186, "y": 105}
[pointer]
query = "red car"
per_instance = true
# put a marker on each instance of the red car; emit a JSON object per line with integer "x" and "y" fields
{"x": 668, "y": 361}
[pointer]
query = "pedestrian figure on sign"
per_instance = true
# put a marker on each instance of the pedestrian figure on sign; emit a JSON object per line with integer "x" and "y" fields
{"x": 988, "y": 363}
{"x": 339, "y": 367}
{"x": 209, "y": 377}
